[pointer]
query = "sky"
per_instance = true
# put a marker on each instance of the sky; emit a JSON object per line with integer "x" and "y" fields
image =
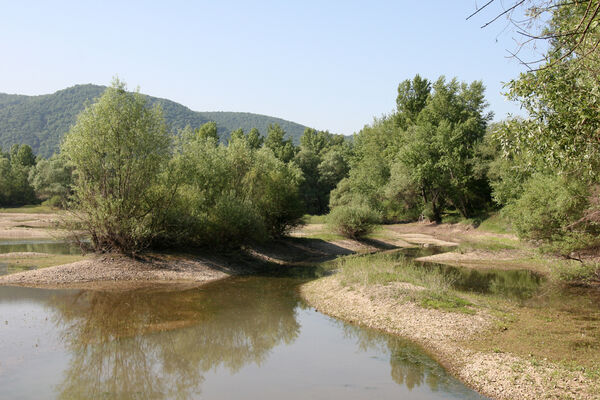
{"x": 331, "y": 65}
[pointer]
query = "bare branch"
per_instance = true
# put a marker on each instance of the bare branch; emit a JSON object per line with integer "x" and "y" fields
{"x": 504, "y": 13}
{"x": 481, "y": 8}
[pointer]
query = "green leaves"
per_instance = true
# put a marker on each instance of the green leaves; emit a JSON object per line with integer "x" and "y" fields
{"x": 118, "y": 148}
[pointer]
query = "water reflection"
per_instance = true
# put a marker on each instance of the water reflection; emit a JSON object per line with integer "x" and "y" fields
{"x": 38, "y": 246}
{"x": 409, "y": 365}
{"x": 515, "y": 284}
{"x": 158, "y": 344}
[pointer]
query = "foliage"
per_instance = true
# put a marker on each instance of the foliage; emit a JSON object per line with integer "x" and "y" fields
{"x": 283, "y": 148}
{"x": 550, "y": 209}
{"x": 354, "y": 220}
{"x": 423, "y": 159}
{"x": 41, "y": 121}
{"x": 52, "y": 180}
{"x": 230, "y": 195}
{"x": 561, "y": 95}
{"x": 15, "y": 166}
{"x": 323, "y": 159}
{"x": 548, "y": 162}
{"x": 118, "y": 148}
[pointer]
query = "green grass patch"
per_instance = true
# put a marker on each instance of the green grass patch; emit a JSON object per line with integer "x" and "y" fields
{"x": 571, "y": 271}
{"x": 493, "y": 222}
{"x": 382, "y": 268}
{"x": 434, "y": 288}
{"x": 31, "y": 209}
{"x": 445, "y": 301}
{"x": 314, "y": 219}
{"x": 496, "y": 223}
{"x": 491, "y": 243}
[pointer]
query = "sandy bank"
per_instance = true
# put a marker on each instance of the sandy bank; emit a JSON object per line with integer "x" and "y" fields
{"x": 446, "y": 336}
{"x": 30, "y": 226}
{"x": 110, "y": 271}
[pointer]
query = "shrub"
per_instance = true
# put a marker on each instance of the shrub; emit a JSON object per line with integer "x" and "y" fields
{"x": 547, "y": 207}
{"x": 554, "y": 210}
{"x": 231, "y": 195}
{"x": 354, "y": 220}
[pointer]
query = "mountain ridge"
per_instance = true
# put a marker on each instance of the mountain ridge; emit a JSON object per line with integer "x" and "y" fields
{"x": 42, "y": 120}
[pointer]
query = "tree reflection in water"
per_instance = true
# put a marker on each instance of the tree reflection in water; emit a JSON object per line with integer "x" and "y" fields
{"x": 410, "y": 366}
{"x": 154, "y": 344}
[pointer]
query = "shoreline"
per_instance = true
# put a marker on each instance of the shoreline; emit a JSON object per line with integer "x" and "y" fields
{"x": 453, "y": 338}
{"x": 445, "y": 336}
{"x": 116, "y": 271}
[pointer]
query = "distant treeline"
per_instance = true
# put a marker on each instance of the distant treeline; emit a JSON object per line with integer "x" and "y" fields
{"x": 42, "y": 121}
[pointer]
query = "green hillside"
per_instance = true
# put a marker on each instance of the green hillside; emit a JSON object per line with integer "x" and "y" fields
{"x": 41, "y": 121}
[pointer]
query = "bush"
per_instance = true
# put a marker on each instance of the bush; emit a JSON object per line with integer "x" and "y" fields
{"x": 552, "y": 210}
{"x": 547, "y": 207}
{"x": 231, "y": 195}
{"x": 54, "y": 202}
{"x": 354, "y": 220}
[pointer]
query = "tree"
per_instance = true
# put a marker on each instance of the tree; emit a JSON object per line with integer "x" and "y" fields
{"x": 15, "y": 189}
{"x": 323, "y": 159}
{"x": 231, "y": 195}
{"x": 412, "y": 97}
{"x": 255, "y": 140}
{"x": 52, "y": 180}
{"x": 22, "y": 155}
{"x": 118, "y": 149}
{"x": 439, "y": 150}
{"x": 283, "y": 148}
{"x": 208, "y": 130}
{"x": 423, "y": 158}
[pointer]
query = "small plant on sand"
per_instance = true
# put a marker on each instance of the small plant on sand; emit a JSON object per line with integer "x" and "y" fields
{"x": 354, "y": 220}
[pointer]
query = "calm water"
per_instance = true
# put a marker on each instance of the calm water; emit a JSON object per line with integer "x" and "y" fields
{"x": 249, "y": 338}
{"x": 38, "y": 246}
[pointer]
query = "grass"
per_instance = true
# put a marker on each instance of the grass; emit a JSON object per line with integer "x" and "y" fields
{"x": 433, "y": 288}
{"x": 560, "y": 325}
{"x": 492, "y": 222}
{"x": 446, "y": 302}
{"x": 496, "y": 223}
{"x": 491, "y": 243}
{"x": 575, "y": 272}
{"x": 30, "y": 209}
{"x": 315, "y": 219}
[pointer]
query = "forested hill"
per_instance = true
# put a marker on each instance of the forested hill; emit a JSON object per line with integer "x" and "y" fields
{"x": 41, "y": 121}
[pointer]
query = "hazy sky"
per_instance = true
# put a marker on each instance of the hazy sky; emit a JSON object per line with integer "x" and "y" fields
{"x": 326, "y": 64}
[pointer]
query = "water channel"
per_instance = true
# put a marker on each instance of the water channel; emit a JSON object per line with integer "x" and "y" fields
{"x": 243, "y": 337}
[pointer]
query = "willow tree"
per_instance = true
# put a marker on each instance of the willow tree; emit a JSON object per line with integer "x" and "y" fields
{"x": 118, "y": 148}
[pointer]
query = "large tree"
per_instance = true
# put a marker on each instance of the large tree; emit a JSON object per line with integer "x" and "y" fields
{"x": 439, "y": 150}
{"x": 118, "y": 148}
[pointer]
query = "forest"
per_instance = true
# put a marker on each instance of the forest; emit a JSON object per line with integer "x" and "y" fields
{"x": 42, "y": 121}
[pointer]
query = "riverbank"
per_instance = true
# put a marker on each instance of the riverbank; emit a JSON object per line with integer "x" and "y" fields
{"x": 23, "y": 223}
{"x": 543, "y": 345}
{"x": 302, "y": 249}
{"x": 105, "y": 271}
